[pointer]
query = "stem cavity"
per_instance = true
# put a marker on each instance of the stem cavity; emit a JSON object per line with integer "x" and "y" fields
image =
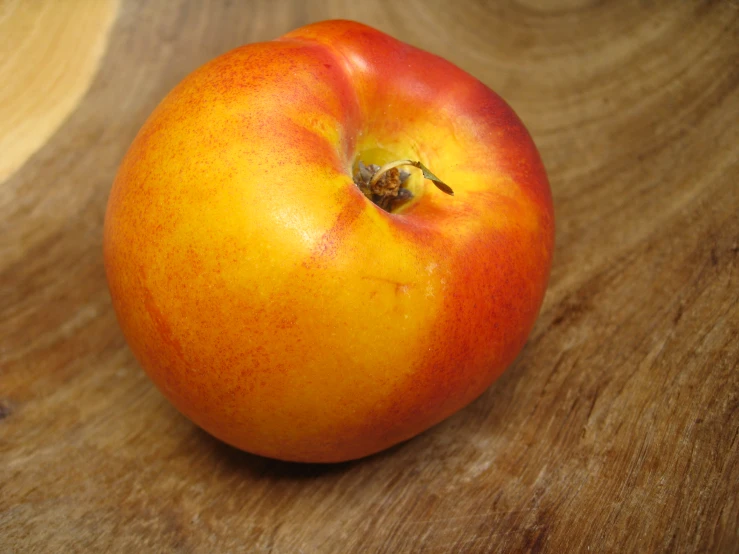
{"x": 385, "y": 185}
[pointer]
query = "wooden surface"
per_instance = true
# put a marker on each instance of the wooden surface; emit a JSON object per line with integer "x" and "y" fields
{"x": 614, "y": 431}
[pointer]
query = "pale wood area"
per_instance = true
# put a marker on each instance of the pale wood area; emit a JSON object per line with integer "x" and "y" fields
{"x": 615, "y": 430}
{"x": 49, "y": 53}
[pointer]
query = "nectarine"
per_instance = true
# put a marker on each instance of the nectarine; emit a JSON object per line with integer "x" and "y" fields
{"x": 297, "y": 304}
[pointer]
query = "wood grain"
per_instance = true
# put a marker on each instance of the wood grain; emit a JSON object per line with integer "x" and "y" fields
{"x": 615, "y": 430}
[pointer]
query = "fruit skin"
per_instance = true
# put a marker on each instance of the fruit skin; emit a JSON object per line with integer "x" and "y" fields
{"x": 270, "y": 301}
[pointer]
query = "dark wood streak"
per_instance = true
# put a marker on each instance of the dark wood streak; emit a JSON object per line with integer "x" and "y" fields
{"x": 5, "y": 409}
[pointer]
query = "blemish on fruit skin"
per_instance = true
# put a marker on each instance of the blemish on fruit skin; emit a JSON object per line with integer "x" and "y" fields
{"x": 159, "y": 320}
{"x": 398, "y": 287}
{"x": 328, "y": 245}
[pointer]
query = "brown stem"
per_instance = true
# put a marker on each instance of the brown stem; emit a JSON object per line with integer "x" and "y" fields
{"x": 387, "y": 167}
{"x": 385, "y": 185}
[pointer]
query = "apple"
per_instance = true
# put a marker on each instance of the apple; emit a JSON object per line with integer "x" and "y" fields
{"x": 287, "y": 275}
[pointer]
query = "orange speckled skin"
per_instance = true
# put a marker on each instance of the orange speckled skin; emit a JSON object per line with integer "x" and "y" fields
{"x": 270, "y": 301}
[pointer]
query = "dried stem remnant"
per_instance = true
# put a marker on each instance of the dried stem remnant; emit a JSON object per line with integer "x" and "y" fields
{"x": 385, "y": 185}
{"x": 388, "y": 190}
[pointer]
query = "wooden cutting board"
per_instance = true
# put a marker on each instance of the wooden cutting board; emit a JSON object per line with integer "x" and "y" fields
{"x": 614, "y": 431}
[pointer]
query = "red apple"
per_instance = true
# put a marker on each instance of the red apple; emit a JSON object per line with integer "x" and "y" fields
{"x": 290, "y": 312}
